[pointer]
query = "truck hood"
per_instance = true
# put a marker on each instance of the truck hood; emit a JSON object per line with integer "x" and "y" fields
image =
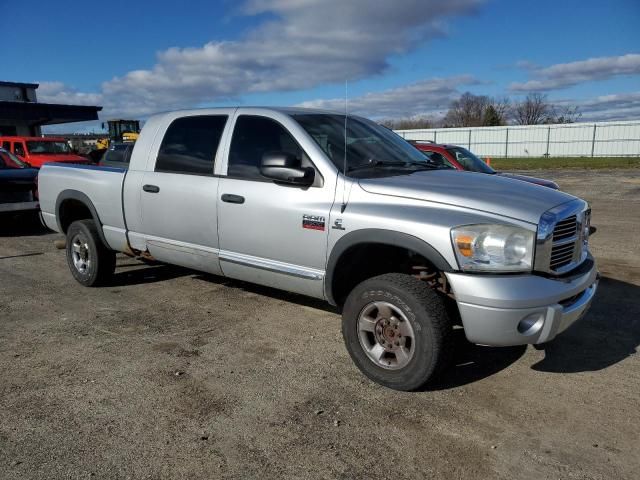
{"x": 527, "y": 178}
{"x": 478, "y": 191}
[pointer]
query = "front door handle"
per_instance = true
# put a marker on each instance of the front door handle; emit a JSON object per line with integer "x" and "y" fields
{"x": 230, "y": 198}
{"x": 151, "y": 188}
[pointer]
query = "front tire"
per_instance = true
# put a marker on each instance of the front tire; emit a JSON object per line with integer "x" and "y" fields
{"x": 397, "y": 331}
{"x": 91, "y": 263}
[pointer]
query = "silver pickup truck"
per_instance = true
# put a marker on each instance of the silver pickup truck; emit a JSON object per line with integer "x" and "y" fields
{"x": 342, "y": 209}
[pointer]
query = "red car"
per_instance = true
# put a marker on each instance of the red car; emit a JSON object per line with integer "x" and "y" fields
{"x": 460, "y": 158}
{"x": 37, "y": 151}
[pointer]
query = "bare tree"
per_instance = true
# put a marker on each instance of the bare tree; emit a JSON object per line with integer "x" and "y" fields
{"x": 566, "y": 114}
{"x": 476, "y": 111}
{"x": 533, "y": 110}
{"x": 502, "y": 107}
{"x": 407, "y": 123}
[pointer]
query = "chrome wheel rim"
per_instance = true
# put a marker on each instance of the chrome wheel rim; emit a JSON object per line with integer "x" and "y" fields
{"x": 386, "y": 335}
{"x": 80, "y": 253}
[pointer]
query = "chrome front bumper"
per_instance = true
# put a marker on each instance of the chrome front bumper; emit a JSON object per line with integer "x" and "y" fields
{"x": 503, "y": 310}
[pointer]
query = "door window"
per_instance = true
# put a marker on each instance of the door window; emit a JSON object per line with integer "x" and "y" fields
{"x": 190, "y": 145}
{"x": 18, "y": 149}
{"x": 6, "y": 145}
{"x": 254, "y": 136}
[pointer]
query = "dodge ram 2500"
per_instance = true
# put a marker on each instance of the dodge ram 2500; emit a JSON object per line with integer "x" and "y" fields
{"x": 340, "y": 209}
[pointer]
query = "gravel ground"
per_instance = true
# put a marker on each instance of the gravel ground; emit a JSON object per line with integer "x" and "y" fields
{"x": 170, "y": 373}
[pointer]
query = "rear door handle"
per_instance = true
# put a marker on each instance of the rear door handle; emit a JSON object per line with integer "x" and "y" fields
{"x": 151, "y": 188}
{"x": 230, "y": 198}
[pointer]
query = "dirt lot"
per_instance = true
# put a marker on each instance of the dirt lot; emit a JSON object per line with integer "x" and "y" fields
{"x": 173, "y": 374}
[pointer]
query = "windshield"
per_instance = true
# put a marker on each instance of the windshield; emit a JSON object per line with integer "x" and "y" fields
{"x": 369, "y": 146}
{"x": 48, "y": 147}
{"x": 469, "y": 161}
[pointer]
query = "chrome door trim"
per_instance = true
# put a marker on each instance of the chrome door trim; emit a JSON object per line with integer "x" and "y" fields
{"x": 271, "y": 265}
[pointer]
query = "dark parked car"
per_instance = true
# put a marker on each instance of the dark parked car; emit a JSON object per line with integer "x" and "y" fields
{"x": 460, "y": 158}
{"x": 18, "y": 184}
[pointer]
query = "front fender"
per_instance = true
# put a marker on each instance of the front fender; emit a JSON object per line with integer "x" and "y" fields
{"x": 383, "y": 237}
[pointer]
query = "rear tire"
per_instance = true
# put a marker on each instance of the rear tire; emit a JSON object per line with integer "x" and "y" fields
{"x": 91, "y": 263}
{"x": 397, "y": 331}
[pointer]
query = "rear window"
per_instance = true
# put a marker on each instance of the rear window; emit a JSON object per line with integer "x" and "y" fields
{"x": 119, "y": 153}
{"x": 190, "y": 145}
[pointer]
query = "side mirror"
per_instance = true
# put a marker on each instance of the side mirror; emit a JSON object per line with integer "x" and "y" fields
{"x": 284, "y": 167}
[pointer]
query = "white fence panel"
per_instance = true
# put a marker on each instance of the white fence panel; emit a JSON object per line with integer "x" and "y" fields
{"x": 599, "y": 139}
{"x": 492, "y": 142}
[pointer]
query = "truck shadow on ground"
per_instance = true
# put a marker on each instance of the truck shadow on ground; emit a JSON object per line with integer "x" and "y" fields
{"x": 21, "y": 225}
{"x": 608, "y": 334}
{"x": 298, "y": 299}
{"x": 136, "y": 273}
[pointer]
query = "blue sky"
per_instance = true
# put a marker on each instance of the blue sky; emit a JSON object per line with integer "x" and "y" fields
{"x": 402, "y": 58}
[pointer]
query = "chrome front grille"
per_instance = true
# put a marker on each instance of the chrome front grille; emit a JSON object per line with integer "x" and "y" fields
{"x": 561, "y": 255}
{"x": 566, "y": 228}
{"x": 565, "y": 237}
{"x": 562, "y": 238}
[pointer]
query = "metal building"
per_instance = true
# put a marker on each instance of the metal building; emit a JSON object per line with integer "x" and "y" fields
{"x": 21, "y": 114}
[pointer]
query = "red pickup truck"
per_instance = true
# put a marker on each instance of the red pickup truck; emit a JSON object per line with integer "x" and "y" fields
{"x": 37, "y": 151}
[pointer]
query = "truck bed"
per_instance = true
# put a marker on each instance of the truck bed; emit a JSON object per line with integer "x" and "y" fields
{"x": 101, "y": 185}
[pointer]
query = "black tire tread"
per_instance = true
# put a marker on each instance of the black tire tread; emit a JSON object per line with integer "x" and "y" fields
{"x": 441, "y": 324}
{"x": 106, "y": 258}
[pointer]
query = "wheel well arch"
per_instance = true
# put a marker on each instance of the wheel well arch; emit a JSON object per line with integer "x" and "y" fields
{"x": 72, "y": 205}
{"x": 350, "y": 261}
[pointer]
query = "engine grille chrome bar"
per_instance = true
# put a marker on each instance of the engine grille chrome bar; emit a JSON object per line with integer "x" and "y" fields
{"x": 562, "y": 238}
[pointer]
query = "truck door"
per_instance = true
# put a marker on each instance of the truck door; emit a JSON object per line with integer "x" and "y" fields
{"x": 270, "y": 233}
{"x": 179, "y": 191}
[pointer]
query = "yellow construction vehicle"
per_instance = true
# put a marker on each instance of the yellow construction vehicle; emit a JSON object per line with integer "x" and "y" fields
{"x": 120, "y": 131}
{"x": 123, "y": 130}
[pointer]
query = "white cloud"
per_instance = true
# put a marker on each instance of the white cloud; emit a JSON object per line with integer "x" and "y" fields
{"x": 622, "y": 106}
{"x": 430, "y": 97}
{"x": 305, "y": 43}
{"x": 58, "y": 92}
{"x": 563, "y": 75}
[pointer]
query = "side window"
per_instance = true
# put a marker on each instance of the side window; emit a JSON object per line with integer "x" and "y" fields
{"x": 190, "y": 145}
{"x": 465, "y": 161}
{"x": 18, "y": 149}
{"x": 6, "y": 145}
{"x": 252, "y": 138}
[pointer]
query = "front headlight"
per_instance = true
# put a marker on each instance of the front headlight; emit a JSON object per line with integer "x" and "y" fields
{"x": 493, "y": 248}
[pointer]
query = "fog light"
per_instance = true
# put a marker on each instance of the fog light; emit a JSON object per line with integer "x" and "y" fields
{"x": 531, "y": 324}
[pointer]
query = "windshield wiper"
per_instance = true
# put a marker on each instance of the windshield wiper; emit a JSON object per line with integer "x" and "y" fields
{"x": 428, "y": 166}
{"x": 377, "y": 163}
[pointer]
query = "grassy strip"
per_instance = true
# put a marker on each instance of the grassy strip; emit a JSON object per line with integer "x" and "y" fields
{"x": 578, "y": 162}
